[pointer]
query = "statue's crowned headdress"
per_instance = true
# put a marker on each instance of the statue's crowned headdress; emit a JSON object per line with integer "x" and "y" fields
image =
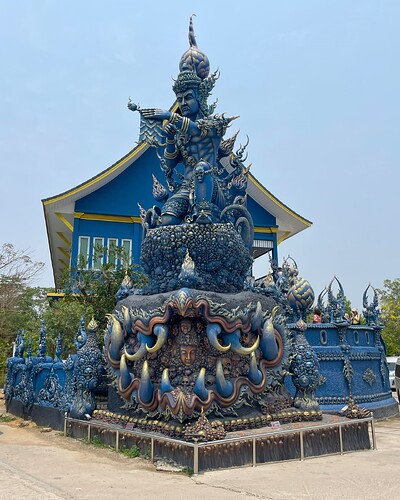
{"x": 194, "y": 59}
{"x": 194, "y": 68}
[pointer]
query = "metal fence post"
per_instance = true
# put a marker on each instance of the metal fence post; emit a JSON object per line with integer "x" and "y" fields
{"x": 152, "y": 450}
{"x": 301, "y": 446}
{"x": 88, "y": 433}
{"x": 117, "y": 440}
{"x": 341, "y": 439}
{"x": 196, "y": 458}
{"x": 373, "y": 435}
{"x": 254, "y": 452}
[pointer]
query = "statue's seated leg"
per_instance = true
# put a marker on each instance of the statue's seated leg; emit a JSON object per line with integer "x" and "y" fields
{"x": 203, "y": 188}
{"x": 175, "y": 208}
{"x": 170, "y": 220}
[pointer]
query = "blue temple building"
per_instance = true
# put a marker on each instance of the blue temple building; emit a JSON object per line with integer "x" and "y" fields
{"x": 104, "y": 211}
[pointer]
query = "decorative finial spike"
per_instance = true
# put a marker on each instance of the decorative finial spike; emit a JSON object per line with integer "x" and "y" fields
{"x": 142, "y": 212}
{"x": 159, "y": 191}
{"x": 192, "y": 38}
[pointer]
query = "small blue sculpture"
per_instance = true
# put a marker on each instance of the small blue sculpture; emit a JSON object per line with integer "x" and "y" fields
{"x": 300, "y": 294}
{"x": 337, "y": 305}
{"x": 125, "y": 289}
{"x": 88, "y": 370}
{"x": 305, "y": 371}
{"x": 371, "y": 310}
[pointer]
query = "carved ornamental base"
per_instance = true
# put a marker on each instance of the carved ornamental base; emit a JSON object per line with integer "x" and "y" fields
{"x": 196, "y": 351}
{"x": 219, "y": 257}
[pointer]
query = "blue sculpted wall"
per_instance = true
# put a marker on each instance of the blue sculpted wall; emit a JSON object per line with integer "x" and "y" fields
{"x": 349, "y": 366}
{"x": 64, "y": 385}
{"x": 352, "y": 357}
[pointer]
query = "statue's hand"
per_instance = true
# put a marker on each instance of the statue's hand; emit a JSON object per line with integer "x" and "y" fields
{"x": 155, "y": 114}
{"x": 170, "y": 129}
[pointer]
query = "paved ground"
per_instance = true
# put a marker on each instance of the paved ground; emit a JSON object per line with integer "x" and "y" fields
{"x": 45, "y": 466}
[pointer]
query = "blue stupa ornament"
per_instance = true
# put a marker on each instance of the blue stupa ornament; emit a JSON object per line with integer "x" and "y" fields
{"x": 301, "y": 295}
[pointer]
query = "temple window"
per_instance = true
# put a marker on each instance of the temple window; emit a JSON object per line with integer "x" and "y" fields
{"x": 97, "y": 253}
{"x": 127, "y": 253}
{"x": 83, "y": 250}
{"x": 323, "y": 336}
{"x": 112, "y": 244}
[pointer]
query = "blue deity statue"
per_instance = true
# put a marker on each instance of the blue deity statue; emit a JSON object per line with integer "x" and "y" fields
{"x": 193, "y": 137}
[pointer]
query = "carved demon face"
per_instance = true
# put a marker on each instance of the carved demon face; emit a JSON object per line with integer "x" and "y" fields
{"x": 185, "y": 382}
{"x": 227, "y": 366}
{"x": 210, "y": 380}
{"x": 245, "y": 338}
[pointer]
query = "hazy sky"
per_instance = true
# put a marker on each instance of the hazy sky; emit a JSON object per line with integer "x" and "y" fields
{"x": 316, "y": 85}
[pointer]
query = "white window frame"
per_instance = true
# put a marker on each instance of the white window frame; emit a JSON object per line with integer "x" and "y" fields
{"x": 125, "y": 240}
{"x": 112, "y": 241}
{"x": 88, "y": 249}
{"x": 97, "y": 240}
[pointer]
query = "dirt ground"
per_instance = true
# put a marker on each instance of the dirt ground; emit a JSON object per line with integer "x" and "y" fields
{"x": 46, "y": 465}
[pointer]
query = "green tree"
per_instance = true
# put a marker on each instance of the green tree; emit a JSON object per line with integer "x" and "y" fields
{"x": 90, "y": 293}
{"x": 18, "y": 264}
{"x": 20, "y": 304}
{"x": 390, "y": 303}
{"x": 25, "y": 313}
{"x": 63, "y": 317}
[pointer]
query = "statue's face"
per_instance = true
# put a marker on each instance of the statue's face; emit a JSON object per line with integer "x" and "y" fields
{"x": 188, "y": 354}
{"x": 188, "y": 103}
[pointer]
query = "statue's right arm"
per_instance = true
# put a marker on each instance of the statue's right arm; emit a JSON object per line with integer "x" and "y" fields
{"x": 183, "y": 124}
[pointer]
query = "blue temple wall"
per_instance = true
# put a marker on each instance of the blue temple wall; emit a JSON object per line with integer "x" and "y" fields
{"x": 260, "y": 216}
{"x": 121, "y": 195}
{"x": 58, "y": 369}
